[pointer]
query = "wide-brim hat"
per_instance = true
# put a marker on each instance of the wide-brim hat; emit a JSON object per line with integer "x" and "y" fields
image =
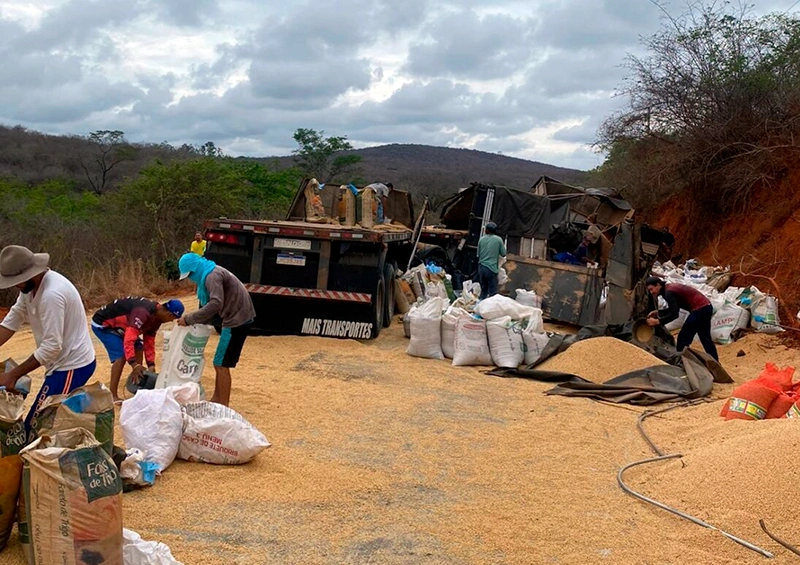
{"x": 19, "y": 264}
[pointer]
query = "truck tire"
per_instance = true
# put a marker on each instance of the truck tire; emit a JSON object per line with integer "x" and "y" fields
{"x": 388, "y": 295}
{"x": 377, "y": 309}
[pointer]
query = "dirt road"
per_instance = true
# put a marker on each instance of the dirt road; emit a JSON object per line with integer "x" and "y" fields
{"x": 382, "y": 458}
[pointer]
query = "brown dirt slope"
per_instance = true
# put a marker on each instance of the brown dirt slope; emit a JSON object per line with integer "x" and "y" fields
{"x": 762, "y": 245}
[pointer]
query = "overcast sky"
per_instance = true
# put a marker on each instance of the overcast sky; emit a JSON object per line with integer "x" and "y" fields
{"x": 531, "y": 79}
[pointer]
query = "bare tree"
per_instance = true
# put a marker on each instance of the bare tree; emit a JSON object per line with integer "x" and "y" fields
{"x": 111, "y": 149}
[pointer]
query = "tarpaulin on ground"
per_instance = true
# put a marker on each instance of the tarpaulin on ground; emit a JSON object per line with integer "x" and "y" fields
{"x": 690, "y": 374}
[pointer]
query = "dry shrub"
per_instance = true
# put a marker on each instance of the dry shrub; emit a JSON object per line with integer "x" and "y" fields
{"x": 126, "y": 277}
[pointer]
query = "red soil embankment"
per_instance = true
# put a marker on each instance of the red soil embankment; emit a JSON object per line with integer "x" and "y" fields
{"x": 761, "y": 245}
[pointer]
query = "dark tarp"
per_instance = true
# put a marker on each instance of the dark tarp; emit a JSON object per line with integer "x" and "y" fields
{"x": 691, "y": 374}
{"x": 521, "y": 214}
{"x": 516, "y": 213}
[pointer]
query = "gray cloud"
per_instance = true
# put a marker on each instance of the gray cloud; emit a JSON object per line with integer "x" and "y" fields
{"x": 466, "y": 46}
{"x": 480, "y": 73}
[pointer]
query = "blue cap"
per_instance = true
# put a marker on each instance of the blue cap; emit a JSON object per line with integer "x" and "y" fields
{"x": 174, "y": 307}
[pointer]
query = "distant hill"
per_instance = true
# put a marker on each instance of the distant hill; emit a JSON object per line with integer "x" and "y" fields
{"x": 428, "y": 170}
{"x": 425, "y": 171}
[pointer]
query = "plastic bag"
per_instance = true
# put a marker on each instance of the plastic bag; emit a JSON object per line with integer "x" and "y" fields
{"x": 152, "y": 422}
{"x": 213, "y": 433}
{"x": 505, "y": 342}
{"x": 426, "y": 336}
{"x": 183, "y": 355}
{"x": 766, "y": 318}
{"x": 471, "y": 343}
{"x": 502, "y": 276}
{"x": 136, "y": 551}
{"x": 136, "y": 471}
{"x": 498, "y": 306}
{"x": 529, "y": 298}
{"x": 678, "y": 322}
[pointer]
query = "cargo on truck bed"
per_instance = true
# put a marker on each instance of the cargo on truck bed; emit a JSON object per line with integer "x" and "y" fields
{"x": 329, "y": 268}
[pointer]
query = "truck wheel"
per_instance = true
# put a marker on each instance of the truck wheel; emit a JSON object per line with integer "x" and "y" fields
{"x": 388, "y": 279}
{"x": 377, "y": 309}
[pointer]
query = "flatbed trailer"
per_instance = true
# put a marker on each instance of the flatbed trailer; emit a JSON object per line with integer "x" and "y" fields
{"x": 311, "y": 278}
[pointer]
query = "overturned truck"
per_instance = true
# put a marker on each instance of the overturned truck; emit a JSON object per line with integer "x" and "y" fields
{"x": 539, "y": 223}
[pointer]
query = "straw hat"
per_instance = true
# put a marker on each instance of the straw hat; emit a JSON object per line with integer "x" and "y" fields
{"x": 19, "y": 264}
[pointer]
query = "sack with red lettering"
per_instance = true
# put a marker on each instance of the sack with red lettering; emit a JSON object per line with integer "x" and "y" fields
{"x": 213, "y": 433}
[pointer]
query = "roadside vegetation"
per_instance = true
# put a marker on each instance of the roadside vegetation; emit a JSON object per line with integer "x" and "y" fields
{"x": 712, "y": 114}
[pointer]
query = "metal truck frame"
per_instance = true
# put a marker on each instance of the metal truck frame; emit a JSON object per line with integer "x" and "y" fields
{"x": 310, "y": 278}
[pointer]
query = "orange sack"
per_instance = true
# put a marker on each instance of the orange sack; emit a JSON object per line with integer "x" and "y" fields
{"x": 750, "y": 401}
{"x": 780, "y": 406}
{"x": 780, "y": 377}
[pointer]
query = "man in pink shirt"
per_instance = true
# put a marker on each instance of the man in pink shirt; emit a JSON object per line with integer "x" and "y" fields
{"x": 681, "y": 296}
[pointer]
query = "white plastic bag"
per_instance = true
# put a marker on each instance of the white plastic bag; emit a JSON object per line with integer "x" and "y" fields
{"x": 726, "y": 321}
{"x": 213, "y": 433}
{"x": 535, "y": 322}
{"x": 766, "y": 318}
{"x": 505, "y": 342}
{"x": 183, "y": 355}
{"x": 502, "y": 277}
{"x": 498, "y": 306}
{"x": 136, "y": 551}
{"x": 136, "y": 470}
{"x": 426, "y": 336}
{"x": 152, "y": 422}
{"x": 435, "y": 290}
{"x": 678, "y": 322}
{"x": 529, "y": 298}
{"x": 471, "y": 343}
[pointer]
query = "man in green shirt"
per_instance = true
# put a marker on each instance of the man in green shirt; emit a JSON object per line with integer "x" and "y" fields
{"x": 490, "y": 249}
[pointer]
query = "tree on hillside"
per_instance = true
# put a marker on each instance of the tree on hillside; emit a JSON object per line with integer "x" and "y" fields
{"x": 713, "y": 106}
{"x": 109, "y": 150}
{"x": 322, "y": 157}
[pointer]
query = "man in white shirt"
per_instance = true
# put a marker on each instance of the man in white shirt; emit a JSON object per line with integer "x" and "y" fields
{"x": 54, "y": 309}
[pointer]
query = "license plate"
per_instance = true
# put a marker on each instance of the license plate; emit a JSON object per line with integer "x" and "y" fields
{"x": 293, "y": 243}
{"x": 295, "y": 260}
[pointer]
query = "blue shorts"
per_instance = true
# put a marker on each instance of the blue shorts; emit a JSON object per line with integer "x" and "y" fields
{"x": 113, "y": 342}
{"x": 60, "y": 382}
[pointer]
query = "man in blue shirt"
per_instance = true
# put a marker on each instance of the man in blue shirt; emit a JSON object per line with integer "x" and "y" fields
{"x": 490, "y": 249}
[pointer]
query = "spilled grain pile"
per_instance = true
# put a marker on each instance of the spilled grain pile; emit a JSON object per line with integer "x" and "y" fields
{"x": 735, "y": 475}
{"x": 599, "y": 359}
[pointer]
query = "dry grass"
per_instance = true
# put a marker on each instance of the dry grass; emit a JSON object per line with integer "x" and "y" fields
{"x": 132, "y": 277}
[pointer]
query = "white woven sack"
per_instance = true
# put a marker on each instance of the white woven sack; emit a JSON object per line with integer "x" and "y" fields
{"x": 213, "y": 433}
{"x": 152, "y": 422}
{"x": 505, "y": 342}
{"x": 472, "y": 343}
{"x": 426, "y": 336}
{"x": 449, "y": 319}
{"x": 498, "y": 306}
{"x": 726, "y": 321}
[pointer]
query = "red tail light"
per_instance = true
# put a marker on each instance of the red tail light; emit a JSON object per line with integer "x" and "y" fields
{"x": 229, "y": 238}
